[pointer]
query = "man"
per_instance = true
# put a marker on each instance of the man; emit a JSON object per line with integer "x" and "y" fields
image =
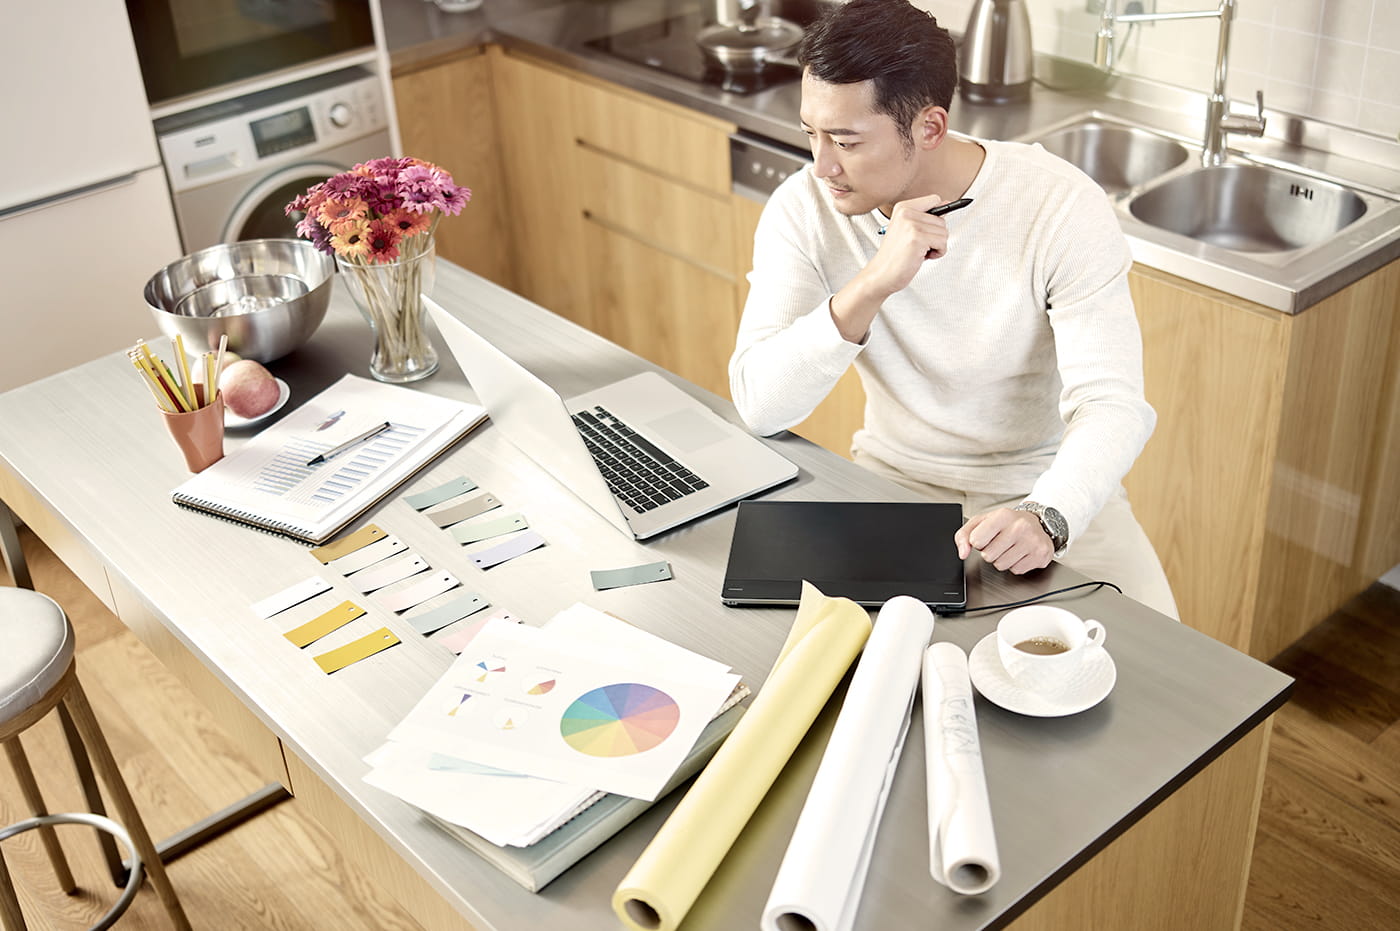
{"x": 997, "y": 344}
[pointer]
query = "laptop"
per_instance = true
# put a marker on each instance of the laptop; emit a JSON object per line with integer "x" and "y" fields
{"x": 867, "y": 551}
{"x": 640, "y": 451}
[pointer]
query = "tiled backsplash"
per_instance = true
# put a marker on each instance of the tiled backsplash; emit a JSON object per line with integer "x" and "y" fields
{"x": 1337, "y": 61}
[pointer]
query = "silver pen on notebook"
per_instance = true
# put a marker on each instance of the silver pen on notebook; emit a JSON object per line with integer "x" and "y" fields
{"x": 941, "y": 209}
{"x": 332, "y": 453}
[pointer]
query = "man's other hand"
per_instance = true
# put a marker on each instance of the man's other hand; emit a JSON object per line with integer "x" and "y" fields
{"x": 1012, "y": 541}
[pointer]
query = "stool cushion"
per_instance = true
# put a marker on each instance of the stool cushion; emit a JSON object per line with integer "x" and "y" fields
{"x": 37, "y": 651}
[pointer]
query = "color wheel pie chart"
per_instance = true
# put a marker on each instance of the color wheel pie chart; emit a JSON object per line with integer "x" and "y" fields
{"x": 619, "y": 720}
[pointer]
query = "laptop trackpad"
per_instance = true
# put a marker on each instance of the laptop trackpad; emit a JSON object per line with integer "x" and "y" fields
{"x": 685, "y": 431}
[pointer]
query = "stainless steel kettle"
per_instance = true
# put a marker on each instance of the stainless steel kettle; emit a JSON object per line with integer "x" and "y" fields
{"x": 994, "y": 62}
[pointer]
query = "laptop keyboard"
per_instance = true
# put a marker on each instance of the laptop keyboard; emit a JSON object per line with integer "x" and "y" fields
{"x": 636, "y": 470}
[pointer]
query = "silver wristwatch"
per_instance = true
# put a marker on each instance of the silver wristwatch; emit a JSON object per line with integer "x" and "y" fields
{"x": 1052, "y": 521}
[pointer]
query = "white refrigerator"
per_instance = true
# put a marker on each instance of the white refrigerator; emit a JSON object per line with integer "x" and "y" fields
{"x": 85, "y": 213}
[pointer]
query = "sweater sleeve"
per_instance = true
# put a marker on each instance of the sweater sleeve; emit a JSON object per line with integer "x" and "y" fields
{"x": 1098, "y": 347}
{"x": 788, "y": 354}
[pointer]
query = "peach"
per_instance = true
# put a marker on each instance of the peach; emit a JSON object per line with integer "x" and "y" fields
{"x": 249, "y": 389}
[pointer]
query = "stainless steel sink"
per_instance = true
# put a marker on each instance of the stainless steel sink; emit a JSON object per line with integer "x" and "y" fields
{"x": 1117, "y": 156}
{"x": 1249, "y": 208}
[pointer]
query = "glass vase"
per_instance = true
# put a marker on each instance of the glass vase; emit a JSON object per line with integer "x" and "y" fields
{"x": 390, "y": 296}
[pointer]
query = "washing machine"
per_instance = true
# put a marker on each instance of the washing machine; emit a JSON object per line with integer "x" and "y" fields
{"x": 234, "y": 165}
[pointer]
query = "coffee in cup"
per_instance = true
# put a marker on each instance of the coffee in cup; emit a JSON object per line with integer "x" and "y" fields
{"x": 1043, "y": 648}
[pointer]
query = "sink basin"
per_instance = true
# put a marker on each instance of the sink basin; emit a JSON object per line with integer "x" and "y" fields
{"x": 1117, "y": 157}
{"x": 1249, "y": 208}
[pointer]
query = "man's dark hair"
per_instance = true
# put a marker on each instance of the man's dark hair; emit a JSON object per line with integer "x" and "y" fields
{"x": 901, "y": 48}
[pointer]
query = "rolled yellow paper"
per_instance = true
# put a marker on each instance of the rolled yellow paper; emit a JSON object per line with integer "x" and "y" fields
{"x": 668, "y": 877}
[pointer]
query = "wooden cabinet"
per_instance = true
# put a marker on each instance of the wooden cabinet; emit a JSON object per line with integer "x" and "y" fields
{"x": 447, "y": 115}
{"x": 621, "y": 215}
{"x": 1270, "y": 486}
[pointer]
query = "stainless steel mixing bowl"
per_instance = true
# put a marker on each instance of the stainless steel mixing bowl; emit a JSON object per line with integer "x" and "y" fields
{"x": 233, "y": 288}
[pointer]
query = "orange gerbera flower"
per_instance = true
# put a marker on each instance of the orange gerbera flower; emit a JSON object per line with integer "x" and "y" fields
{"x": 353, "y": 241}
{"x": 339, "y": 209}
{"x": 409, "y": 223}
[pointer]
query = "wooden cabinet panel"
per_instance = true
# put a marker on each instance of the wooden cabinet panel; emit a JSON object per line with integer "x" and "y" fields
{"x": 258, "y": 744}
{"x": 546, "y": 230}
{"x": 1317, "y": 551}
{"x": 357, "y": 842}
{"x": 447, "y": 115}
{"x": 670, "y": 140}
{"x": 1215, "y": 377}
{"x": 670, "y": 311}
{"x": 676, "y": 218}
{"x": 1270, "y": 486}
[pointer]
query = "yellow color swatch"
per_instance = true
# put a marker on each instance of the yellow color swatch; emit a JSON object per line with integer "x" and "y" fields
{"x": 664, "y": 883}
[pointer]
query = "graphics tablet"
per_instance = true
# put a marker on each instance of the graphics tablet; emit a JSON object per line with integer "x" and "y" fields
{"x": 867, "y": 551}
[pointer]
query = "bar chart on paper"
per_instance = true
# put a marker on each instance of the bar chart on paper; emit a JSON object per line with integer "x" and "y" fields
{"x": 287, "y": 473}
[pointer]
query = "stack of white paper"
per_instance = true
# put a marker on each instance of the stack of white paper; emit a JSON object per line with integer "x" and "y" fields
{"x": 530, "y": 726}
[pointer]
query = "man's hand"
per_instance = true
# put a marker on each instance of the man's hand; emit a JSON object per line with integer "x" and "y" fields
{"x": 1010, "y": 540}
{"x": 911, "y": 238}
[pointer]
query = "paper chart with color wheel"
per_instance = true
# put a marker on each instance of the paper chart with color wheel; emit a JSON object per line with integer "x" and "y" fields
{"x": 545, "y": 704}
{"x": 619, "y": 720}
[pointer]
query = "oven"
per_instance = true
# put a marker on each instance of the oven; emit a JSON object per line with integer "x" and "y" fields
{"x": 188, "y": 47}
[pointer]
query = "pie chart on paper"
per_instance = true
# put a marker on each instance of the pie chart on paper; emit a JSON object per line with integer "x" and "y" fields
{"x": 619, "y": 720}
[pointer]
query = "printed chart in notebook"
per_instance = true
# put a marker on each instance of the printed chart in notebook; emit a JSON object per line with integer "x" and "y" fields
{"x": 521, "y": 699}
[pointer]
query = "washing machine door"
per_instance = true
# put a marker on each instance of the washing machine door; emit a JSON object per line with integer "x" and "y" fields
{"x": 261, "y": 214}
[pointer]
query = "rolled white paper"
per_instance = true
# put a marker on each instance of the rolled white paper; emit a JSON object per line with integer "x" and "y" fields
{"x": 823, "y": 873}
{"x": 962, "y": 844}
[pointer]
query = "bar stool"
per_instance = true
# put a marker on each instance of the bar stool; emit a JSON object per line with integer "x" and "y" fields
{"x": 37, "y": 674}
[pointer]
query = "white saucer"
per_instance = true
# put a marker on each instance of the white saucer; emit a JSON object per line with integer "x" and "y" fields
{"x": 1091, "y": 686}
{"x": 233, "y": 422}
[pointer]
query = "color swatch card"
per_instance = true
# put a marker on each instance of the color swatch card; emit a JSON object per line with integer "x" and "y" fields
{"x": 387, "y": 574}
{"x": 368, "y": 555}
{"x": 430, "y": 586}
{"x": 464, "y": 633}
{"x": 291, "y": 596}
{"x": 443, "y": 492}
{"x": 534, "y": 702}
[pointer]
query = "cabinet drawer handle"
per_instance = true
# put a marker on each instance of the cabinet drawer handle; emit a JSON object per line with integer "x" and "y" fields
{"x": 650, "y": 243}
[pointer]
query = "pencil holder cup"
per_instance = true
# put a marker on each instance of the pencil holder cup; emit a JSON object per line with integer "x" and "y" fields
{"x": 199, "y": 433}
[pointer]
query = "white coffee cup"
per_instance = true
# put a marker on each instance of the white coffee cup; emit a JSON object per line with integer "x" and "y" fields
{"x": 1043, "y": 648}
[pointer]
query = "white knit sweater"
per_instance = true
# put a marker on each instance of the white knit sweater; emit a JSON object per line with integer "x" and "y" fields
{"x": 1012, "y": 365}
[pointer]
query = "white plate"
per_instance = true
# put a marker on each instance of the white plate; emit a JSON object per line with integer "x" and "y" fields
{"x": 1091, "y": 686}
{"x": 233, "y": 422}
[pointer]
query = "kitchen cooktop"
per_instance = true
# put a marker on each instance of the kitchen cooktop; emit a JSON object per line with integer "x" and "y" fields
{"x": 670, "y": 46}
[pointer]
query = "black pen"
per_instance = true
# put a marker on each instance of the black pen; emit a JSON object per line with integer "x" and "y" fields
{"x": 332, "y": 453}
{"x": 941, "y": 209}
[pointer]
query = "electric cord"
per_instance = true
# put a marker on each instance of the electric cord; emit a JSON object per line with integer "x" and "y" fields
{"x": 1096, "y": 585}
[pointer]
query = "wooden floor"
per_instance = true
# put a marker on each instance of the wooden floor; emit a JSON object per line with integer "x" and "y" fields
{"x": 1327, "y": 853}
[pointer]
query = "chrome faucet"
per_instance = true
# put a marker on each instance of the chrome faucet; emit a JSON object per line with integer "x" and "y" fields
{"x": 1219, "y": 120}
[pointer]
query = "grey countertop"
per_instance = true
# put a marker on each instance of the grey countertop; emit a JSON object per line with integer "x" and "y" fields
{"x": 1180, "y": 699}
{"x": 418, "y": 33}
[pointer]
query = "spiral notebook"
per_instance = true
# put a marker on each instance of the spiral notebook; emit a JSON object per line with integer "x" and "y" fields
{"x": 330, "y": 460}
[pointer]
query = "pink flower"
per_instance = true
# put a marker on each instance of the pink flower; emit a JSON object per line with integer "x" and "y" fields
{"x": 366, "y": 213}
{"x": 384, "y": 238}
